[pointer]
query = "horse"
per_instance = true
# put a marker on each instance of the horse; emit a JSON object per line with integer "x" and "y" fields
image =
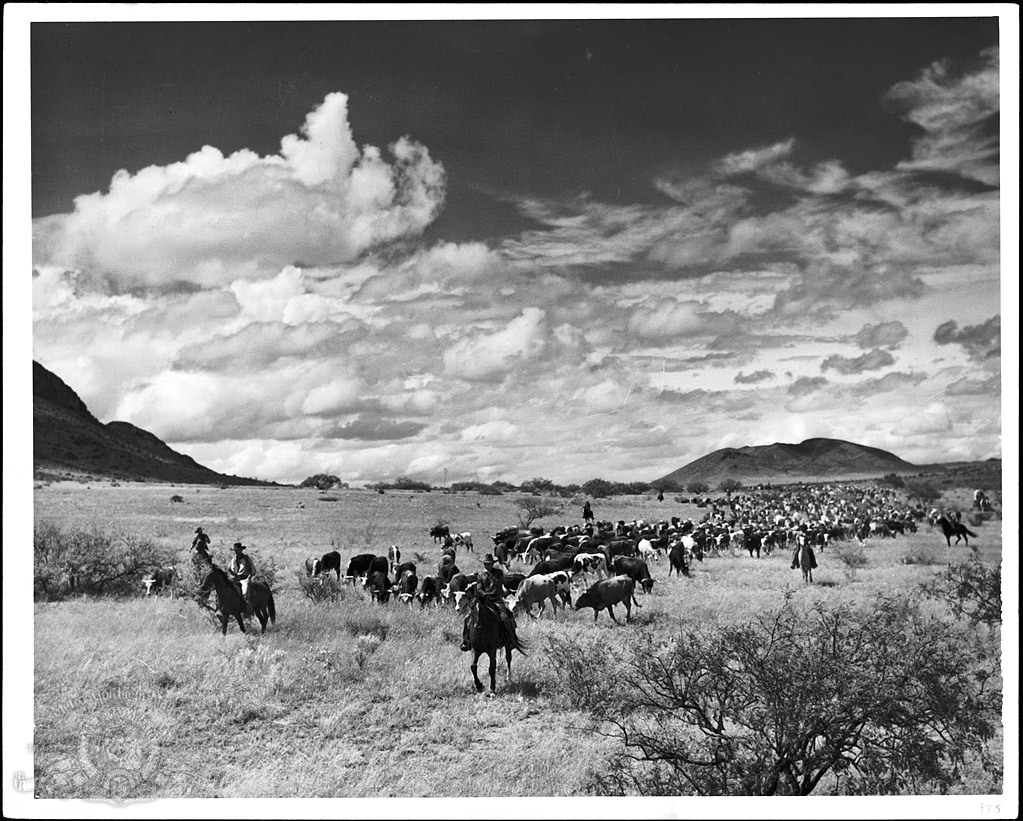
{"x": 488, "y": 634}
{"x": 230, "y": 601}
{"x": 805, "y": 559}
{"x": 957, "y": 529}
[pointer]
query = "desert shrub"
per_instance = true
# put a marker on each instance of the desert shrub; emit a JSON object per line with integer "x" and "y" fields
{"x": 853, "y": 557}
{"x": 697, "y": 487}
{"x": 922, "y": 491}
{"x": 322, "y": 588}
{"x": 882, "y": 699}
{"x": 537, "y": 507}
{"x": 322, "y": 481}
{"x": 330, "y": 499}
{"x": 177, "y": 499}
{"x": 363, "y": 623}
{"x": 972, "y": 590}
{"x": 891, "y": 480}
{"x": 730, "y": 485}
{"x": 76, "y": 561}
{"x": 921, "y": 555}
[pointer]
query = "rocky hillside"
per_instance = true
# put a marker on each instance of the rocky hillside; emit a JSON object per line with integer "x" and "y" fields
{"x": 69, "y": 441}
{"x": 811, "y": 459}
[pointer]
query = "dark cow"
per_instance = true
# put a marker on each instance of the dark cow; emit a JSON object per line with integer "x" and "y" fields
{"x": 403, "y": 567}
{"x": 553, "y": 566}
{"x": 312, "y": 566}
{"x": 677, "y": 560}
{"x": 379, "y": 586}
{"x": 440, "y": 533}
{"x": 379, "y": 565}
{"x": 429, "y": 591}
{"x": 635, "y": 569}
{"x": 447, "y": 572}
{"x": 455, "y": 586}
{"x": 330, "y": 561}
{"x": 605, "y": 594}
{"x": 359, "y": 565}
{"x": 512, "y": 581}
{"x": 163, "y": 578}
{"x": 620, "y": 547}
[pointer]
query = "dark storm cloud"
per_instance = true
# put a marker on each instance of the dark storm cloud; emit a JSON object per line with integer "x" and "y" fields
{"x": 882, "y": 335}
{"x": 868, "y": 362}
{"x": 980, "y": 341}
{"x": 756, "y": 376}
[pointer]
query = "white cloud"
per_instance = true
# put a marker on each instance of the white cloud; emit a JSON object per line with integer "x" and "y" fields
{"x": 487, "y": 356}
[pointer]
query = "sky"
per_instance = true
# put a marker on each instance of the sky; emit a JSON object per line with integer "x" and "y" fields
{"x": 500, "y": 250}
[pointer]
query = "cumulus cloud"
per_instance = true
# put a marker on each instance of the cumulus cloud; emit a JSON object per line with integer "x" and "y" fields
{"x": 488, "y": 356}
{"x": 753, "y": 159}
{"x": 869, "y": 361}
{"x": 932, "y": 419}
{"x": 211, "y": 219}
{"x": 981, "y": 342}
{"x": 806, "y": 385}
{"x": 665, "y": 318}
{"x": 882, "y": 335}
{"x": 975, "y": 387}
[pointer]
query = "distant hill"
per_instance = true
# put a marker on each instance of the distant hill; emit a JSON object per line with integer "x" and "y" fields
{"x": 69, "y": 440}
{"x": 811, "y": 459}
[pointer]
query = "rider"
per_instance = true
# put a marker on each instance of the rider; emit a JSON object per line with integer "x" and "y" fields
{"x": 587, "y": 513}
{"x": 243, "y": 570}
{"x": 490, "y": 588}
{"x": 201, "y": 544}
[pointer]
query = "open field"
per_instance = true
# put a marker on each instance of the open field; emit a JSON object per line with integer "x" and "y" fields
{"x": 352, "y": 699}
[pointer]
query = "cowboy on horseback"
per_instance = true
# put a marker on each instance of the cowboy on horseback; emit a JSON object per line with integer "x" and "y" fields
{"x": 243, "y": 569}
{"x": 201, "y": 545}
{"x": 490, "y": 591}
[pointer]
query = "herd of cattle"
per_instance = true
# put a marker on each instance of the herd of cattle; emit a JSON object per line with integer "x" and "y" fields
{"x": 601, "y": 564}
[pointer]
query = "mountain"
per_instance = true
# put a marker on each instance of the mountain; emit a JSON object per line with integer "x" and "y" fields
{"x": 69, "y": 441}
{"x": 809, "y": 460}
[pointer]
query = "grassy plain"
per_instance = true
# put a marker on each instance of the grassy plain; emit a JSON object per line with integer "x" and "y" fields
{"x": 352, "y": 699}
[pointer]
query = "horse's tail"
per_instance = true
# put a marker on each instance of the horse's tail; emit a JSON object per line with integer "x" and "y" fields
{"x": 969, "y": 532}
{"x": 270, "y": 605}
{"x": 515, "y": 643}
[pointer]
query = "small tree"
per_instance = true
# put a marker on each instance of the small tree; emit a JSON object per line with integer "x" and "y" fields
{"x": 730, "y": 485}
{"x": 322, "y": 481}
{"x": 922, "y": 491}
{"x": 537, "y": 507}
{"x": 697, "y": 487}
{"x": 597, "y": 488}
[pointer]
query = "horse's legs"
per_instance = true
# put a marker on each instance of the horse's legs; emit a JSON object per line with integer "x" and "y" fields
{"x": 492, "y": 655}
{"x": 507, "y": 656}
{"x": 241, "y": 621}
{"x": 475, "y": 678}
{"x": 223, "y": 622}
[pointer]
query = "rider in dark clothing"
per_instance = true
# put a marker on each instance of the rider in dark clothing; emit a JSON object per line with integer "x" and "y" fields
{"x": 201, "y": 544}
{"x": 490, "y": 589}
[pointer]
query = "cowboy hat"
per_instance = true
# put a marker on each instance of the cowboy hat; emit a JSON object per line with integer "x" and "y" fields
{"x": 239, "y": 546}
{"x": 489, "y": 559}
{"x": 198, "y": 530}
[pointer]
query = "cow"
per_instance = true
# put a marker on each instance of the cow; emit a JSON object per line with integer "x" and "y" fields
{"x": 512, "y": 581}
{"x": 621, "y": 547}
{"x": 407, "y": 585}
{"x": 403, "y": 567}
{"x": 586, "y": 563}
{"x": 429, "y": 591}
{"x": 380, "y": 565}
{"x": 439, "y": 533}
{"x": 677, "y": 559}
{"x": 393, "y": 557}
{"x": 329, "y": 561}
{"x": 359, "y": 565}
{"x": 379, "y": 586}
{"x": 312, "y": 566}
{"x": 605, "y": 594}
{"x": 537, "y": 590}
{"x": 646, "y": 550}
{"x": 552, "y": 566}
{"x": 635, "y": 569}
{"x": 163, "y": 578}
{"x": 447, "y": 571}
{"x": 464, "y": 540}
{"x": 456, "y": 585}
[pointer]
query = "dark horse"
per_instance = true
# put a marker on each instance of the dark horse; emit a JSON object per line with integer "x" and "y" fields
{"x": 487, "y": 634}
{"x": 230, "y": 601}
{"x": 957, "y": 529}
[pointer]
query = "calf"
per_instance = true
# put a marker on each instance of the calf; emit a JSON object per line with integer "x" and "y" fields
{"x": 329, "y": 561}
{"x": 464, "y": 540}
{"x": 379, "y": 587}
{"x": 635, "y": 569}
{"x": 429, "y": 591}
{"x": 646, "y": 550}
{"x": 393, "y": 557}
{"x": 312, "y": 566}
{"x": 163, "y": 578}
{"x": 605, "y": 594}
{"x": 439, "y": 533}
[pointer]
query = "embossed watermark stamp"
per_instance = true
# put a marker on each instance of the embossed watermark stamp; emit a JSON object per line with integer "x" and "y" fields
{"x": 118, "y": 757}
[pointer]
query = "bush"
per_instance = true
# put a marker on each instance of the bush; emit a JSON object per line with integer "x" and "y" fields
{"x": 853, "y": 557}
{"x": 862, "y": 700}
{"x": 697, "y": 487}
{"x": 891, "y": 480}
{"x": 922, "y": 491}
{"x": 322, "y": 588}
{"x": 972, "y": 590}
{"x": 537, "y": 507}
{"x": 322, "y": 481}
{"x": 94, "y": 562}
{"x": 921, "y": 555}
{"x": 176, "y": 498}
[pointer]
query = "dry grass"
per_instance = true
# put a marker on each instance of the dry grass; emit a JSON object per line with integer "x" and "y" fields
{"x": 337, "y": 698}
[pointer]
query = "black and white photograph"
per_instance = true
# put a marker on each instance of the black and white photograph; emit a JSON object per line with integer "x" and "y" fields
{"x": 482, "y": 410}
